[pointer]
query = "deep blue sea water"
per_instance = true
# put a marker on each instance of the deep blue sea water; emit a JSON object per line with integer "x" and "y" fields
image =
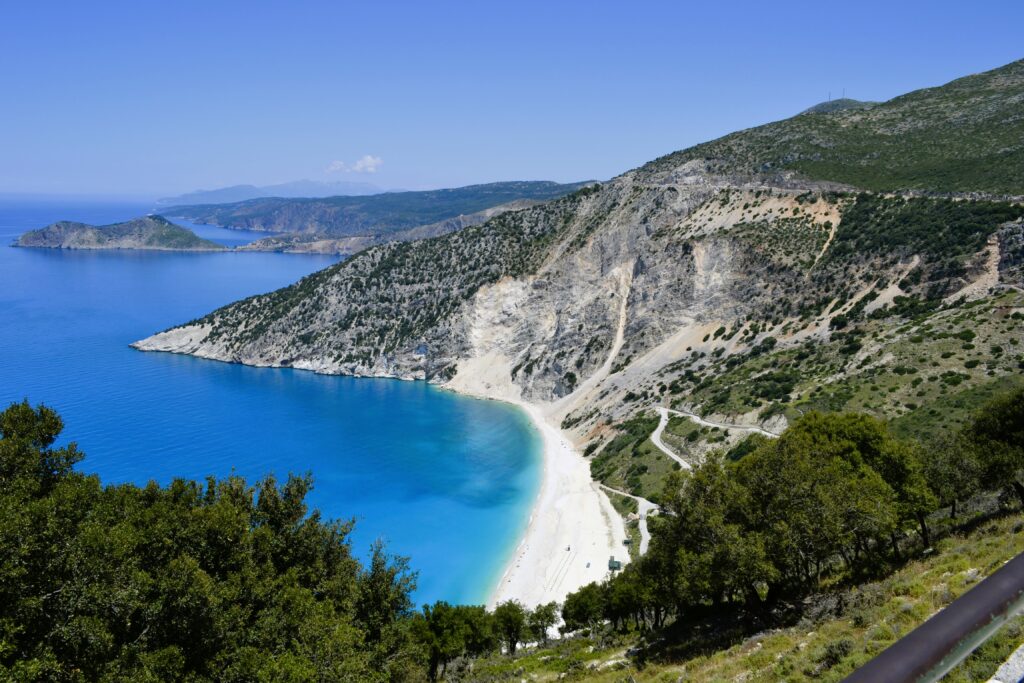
{"x": 444, "y": 479}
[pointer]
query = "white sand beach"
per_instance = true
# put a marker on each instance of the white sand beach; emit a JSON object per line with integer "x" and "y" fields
{"x": 573, "y": 529}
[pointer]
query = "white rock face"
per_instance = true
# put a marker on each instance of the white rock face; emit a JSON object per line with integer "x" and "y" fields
{"x": 576, "y": 303}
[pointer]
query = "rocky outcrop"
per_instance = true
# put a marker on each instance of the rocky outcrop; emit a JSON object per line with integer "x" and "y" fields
{"x": 149, "y": 232}
{"x": 1011, "y": 254}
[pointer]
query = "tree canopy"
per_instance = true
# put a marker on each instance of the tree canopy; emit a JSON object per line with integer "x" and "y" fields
{"x": 231, "y": 581}
{"x": 221, "y": 580}
{"x": 835, "y": 491}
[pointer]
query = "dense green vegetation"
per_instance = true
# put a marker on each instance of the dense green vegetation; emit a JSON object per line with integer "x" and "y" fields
{"x": 940, "y": 230}
{"x": 216, "y": 581}
{"x": 965, "y": 136}
{"x": 824, "y": 638}
{"x": 222, "y": 581}
{"x": 377, "y": 214}
{"x": 878, "y": 232}
{"x": 835, "y": 501}
{"x": 231, "y": 581}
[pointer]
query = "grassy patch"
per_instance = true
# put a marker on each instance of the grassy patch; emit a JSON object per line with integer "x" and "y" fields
{"x": 631, "y": 462}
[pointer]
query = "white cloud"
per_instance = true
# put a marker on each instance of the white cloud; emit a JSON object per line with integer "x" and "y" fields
{"x": 366, "y": 164}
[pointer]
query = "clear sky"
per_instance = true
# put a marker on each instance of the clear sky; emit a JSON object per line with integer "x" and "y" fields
{"x": 153, "y": 98}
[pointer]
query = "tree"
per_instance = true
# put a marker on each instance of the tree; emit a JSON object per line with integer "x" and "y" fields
{"x": 583, "y": 609}
{"x": 542, "y": 618}
{"x": 716, "y": 553}
{"x": 952, "y": 470}
{"x": 810, "y": 501}
{"x": 863, "y": 439}
{"x": 625, "y": 597}
{"x": 997, "y": 434}
{"x": 449, "y": 631}
{"x": 480, "y": 625}
{"x": 442, "y": 631}
{"x": 26, "y": 459}
{"x": 384, "y": 601}
{"x": 510, "y": 622}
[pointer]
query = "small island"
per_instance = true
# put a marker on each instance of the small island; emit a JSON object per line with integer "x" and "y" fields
{"x": 149, "y": 232}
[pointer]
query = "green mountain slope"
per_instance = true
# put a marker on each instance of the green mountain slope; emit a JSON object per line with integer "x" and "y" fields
{"x": 965, "y": 136}
{"x": 763, "y": 282}
{"x": 841, "y": 104}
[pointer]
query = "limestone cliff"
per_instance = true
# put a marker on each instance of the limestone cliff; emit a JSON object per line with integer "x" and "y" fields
{"x": 661, "y": 281}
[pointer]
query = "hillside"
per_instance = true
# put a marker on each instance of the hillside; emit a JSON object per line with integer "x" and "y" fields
{"x": 719, "y": 284}
{"x": 842, "y": 104}
{"x": 965, "y": 136}
{"x": 149, "y": 232}
{"x": 372, "y": 215}
{"x": 838, "y": 633}
{"x": 296, "y": 242}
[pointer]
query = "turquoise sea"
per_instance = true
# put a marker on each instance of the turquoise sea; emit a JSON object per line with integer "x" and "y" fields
{"x": 444, "y": 479}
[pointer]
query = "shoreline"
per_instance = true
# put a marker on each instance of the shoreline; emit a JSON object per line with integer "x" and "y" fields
{"x": 572, "y": 531}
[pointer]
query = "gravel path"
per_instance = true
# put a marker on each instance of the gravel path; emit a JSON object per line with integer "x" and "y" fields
{"x": 666, "y": 413}
{"x": 644, "y": 508}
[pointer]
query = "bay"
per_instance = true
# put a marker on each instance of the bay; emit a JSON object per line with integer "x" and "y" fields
{"x": 445, "y": 479}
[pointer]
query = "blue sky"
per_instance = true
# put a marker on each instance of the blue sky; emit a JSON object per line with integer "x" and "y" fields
{"x": 147, "y": 98}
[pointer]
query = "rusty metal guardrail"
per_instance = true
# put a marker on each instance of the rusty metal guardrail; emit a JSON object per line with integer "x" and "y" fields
{"x": 929, "y": 652}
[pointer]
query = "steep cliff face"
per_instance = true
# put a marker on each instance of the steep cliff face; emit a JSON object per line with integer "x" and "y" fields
{"x": 653, "y": 284}
{"x": 548, "y": 296}
{"x": 640, "y": 262}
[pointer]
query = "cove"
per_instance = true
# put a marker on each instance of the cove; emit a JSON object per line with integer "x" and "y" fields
{"x": 445, "y": 479}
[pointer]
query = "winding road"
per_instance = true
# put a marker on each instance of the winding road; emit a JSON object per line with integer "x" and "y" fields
{"x": 666, "y": 413}
{"x": 644, "y": 508}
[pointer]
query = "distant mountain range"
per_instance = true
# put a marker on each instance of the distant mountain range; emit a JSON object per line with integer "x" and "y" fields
{"x": 297, "y": 188}
{"x": 373, "y": 215}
